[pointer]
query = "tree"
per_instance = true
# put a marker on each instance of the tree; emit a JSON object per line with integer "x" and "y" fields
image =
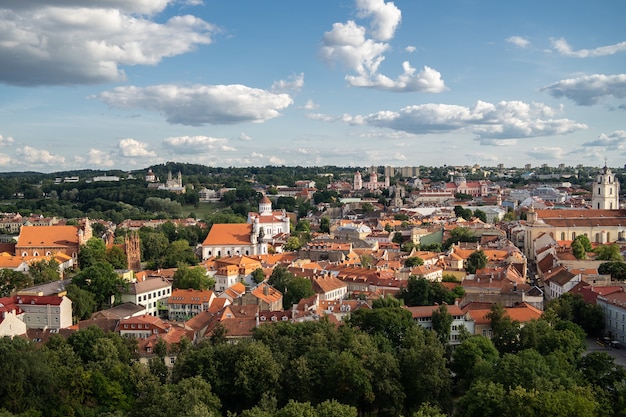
{"x": 91, "y": 253}
{"x": 608, "y": 253}
{"x": 258, "y": 276}
{"x": 192, "y": 278}
{"x": 397, "y": 237}
{"x": 296, "y": 289}
{"x": 178, "y": 252}
{"x": 479, "y": 214}
{"x": 585, "y": 242}
{"x": 11, "y": 280}
{"x": 83, "y": 302}
{"x": 116, "y": 257}
{"x": 293, "y": 243}
{"x": 413, "y": 261}
{"x": 459, "y": 234}
{"x": 324, "y": 225}
{"x": 45, "y": 270}
{"x": 477, "y": 260}
{"x": 102, "y": 281}
{"x": 578, "y": 250}
{"x": 617, "y": 270}
{"x": 442, "y": 324}
{"x": 474, "y": 357}
{"x": 505, "y": 331}
{"x": 390, "y": 322}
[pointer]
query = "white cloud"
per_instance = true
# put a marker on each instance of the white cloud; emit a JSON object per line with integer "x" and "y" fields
{"x": 201, "y": 104}
{"x": 310, "y": 105}
{"x": 39, "y": 156}
{"x": 193, "y": 144}
{"x": 6, "y": 140}
{"x": 497, "y": 142}
{"x": 227, "y": 148}
{"x": 504, "y": 120}
{"x": 546, "y": 152}
{"x": 518, "y": 41}
{"x": 612, "y": 141}
{"x": 244, "y": 137}
{"x": 75, "y": 42}
{"x": 562, "y": 47}
{"x": 256, "y": 155}
{"x": 5, "y": 160}
{"x": 98, "y": 157}
{"x": 385, "y": 17}
{"x": 587, "y": 90}
{"x": 362, "y": 52}
{"x": 410, "y": 49}
{"x": 131, "y": 148}
{"x": 293, "y": 83}
{"x": 275, "y": 160}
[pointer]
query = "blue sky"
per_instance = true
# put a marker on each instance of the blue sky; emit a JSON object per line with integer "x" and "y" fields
{"x": 125, "y": 84}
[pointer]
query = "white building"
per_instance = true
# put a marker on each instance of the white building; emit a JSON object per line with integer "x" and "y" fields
{"x": 605, "y": 191}
{"x": 148, "y": 293}
{"x": 270, "y": 222}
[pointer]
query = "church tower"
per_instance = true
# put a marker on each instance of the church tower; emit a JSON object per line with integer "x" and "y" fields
{"x": 358, "y": 181}
{"x": 605, "y": 191}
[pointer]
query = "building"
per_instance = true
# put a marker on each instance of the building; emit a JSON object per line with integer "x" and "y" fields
{"x": 151, "y": 293}
{"x": 267, "y": 222}
{"x": 232, "y": 240}
{"x": 600, "y": 226}
{"x": 50, "y": 240}
{"x": 423, "y": 315}
{"x": 605, "y": 191}
{"x": 184, "y": 304}
{"x": 40, "y": 312}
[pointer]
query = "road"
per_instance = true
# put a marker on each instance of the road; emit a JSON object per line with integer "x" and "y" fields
{"x": 618, "y": 354}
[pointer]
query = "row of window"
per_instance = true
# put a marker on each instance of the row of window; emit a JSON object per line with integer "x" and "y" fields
{"x": 155, "y": 294}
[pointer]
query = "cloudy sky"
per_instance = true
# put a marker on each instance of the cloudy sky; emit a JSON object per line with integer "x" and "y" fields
{"x": 126, "y": 84}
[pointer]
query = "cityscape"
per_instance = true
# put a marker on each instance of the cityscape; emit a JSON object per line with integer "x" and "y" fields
{"x": 472, "y": 261}
{"x": 361, "y": 208}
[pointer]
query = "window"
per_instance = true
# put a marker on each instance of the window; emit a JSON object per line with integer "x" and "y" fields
{"x": 172, "y": 360}
{"x": 573, "y": 235}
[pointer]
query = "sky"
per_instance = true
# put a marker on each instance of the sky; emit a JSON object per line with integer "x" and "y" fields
{"x": 120, "y": 84}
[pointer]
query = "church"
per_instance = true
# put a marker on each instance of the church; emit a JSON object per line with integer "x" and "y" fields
{"x": 267, "y": 222}
{"x": 604, "y": 223}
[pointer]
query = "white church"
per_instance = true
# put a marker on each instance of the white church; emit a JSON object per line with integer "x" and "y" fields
{"x": 268, "y": 222}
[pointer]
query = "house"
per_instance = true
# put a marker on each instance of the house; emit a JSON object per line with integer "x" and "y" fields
{"x": 142, "y": 327}
{"x": 40, "y": 312}
{"x": 238, "y": 322}
{"x": 230, "y": 270}
{"x": 10, "y": 323}
{"x": 183, "y": 304}
{"x": 329, "y": 287}
{"x": 423, "y": 315}
{"x": 560, "y": 282}
{"x": 152, "y": 293}
{"x": 340, "y": 309}
{"x": 265, "y": 296}
{"x": 521, "y": 313}
{"x": 232, "y": 240}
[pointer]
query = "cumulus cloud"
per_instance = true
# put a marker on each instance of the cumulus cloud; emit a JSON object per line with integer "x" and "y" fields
{"x": 504, "y": 120}
{"x": 361, "y": 51}
{"x": 612, "y": 141}
{"x": 410, "y": 49}
{"x": 5, "y": 160}
{"x": 193, "y": 144}
{"x": 518, "y": 41}
{"x": 201, "y": 104}
{"x": 275, "y": 160}
{"x": 587, "y": 90}
{"x": 310, "y": 105}
{"x": 497, "y": 142}
{"x": 6, "y": 140}
{"x": 131, "y": 148}
{"x": 75, "y": 42}
{"x": 244, "y": 137}
{"x": 293, "y": 83}
{"x": 98, "y": 157}
{"x": 562, "y": 47}
{"x": 546, "y": 152}
{"x": 39, "y": 156}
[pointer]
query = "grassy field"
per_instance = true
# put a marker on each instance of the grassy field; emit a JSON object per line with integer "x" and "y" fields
{"x": 202, "y": 210}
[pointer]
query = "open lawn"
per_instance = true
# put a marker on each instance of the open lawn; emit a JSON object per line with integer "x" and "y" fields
{"x": 202, "y": 210}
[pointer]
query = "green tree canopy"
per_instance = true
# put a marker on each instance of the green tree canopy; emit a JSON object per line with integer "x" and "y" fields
{"x": 608, "y": 253}
{"x": 477, "y": 260}
{"x": 192, "y": 278}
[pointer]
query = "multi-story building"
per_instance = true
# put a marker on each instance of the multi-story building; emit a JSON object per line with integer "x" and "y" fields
{"x": 423, "y": 315}
{"x": 151, "y": 293}
{"x": 41, "y": 312}
{"x": 184, "y": 304}
{"x": 605, "y": 191}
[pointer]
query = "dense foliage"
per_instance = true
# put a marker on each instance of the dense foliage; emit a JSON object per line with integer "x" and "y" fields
{"x": 380, "y": 362}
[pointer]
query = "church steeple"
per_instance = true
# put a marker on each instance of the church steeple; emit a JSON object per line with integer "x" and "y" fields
{"x": 605, "y": 190}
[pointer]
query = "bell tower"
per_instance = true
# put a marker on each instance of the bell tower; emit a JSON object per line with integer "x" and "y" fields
{"x": 605, "y": 190}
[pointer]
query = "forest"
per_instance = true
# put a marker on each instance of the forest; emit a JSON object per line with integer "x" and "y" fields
{"x": 378, "y": 363}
